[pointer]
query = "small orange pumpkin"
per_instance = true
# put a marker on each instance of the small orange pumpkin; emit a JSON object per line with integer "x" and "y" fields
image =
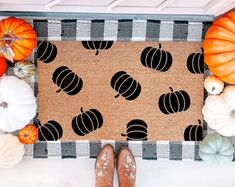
{"x": 3, "y": 66}
{"x": 17, "y": 38}
{"x": 219, "y": 48}
{"x": 29, "y": 134}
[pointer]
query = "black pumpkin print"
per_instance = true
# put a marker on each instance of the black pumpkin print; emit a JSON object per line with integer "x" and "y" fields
{"x": 195, "y": 62}
{"x": 193, "y": 132}
{"x": 87, "y": 122}
{"x": 97, "y": 45}
{"x": 51, "y": 131}
{"x": 67, "y": 80}
{"x": 173, "y": 102}
{"x": 136, "y": 129}
{"x": 156, "y": 58}
{"x": 46, "y": 51}
{"x": 125, "y": 85}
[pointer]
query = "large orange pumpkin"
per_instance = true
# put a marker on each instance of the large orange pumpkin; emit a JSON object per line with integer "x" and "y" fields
{"x": 219, "y": 48}
{"x": 17, "y": 38}
{"x": 29, "y": 134}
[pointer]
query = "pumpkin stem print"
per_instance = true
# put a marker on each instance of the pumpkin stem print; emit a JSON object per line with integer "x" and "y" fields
{"x": 97, "y": 45}
{"x": 173, "y": 102}
{"x": 195, "y": 62}
{"x": 156, "y": 58}
{"x": 125, "y": 85}
{"x": 67, "y": 80}
{"x": 51, "y": 131}
{"x": 194, "y": 132}
{"x": 137, "y": 129}
{"x": 87, "y": 122}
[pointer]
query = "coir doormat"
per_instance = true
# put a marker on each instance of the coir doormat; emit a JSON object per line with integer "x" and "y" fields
{"x": 104, "y": 90}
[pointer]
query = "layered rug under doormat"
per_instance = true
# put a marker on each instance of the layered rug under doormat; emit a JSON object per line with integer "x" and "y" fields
{"x": 144, "y": 81}
{"x": 105, "y": 90}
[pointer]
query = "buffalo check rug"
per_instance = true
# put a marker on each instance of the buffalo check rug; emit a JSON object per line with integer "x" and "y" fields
{"x": 94, "y": 35}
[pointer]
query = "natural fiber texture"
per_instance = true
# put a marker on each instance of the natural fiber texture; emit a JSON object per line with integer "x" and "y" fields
{"x": 96, "y": 71}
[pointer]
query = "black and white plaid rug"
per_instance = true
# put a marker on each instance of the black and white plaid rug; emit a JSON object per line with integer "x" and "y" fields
{"x": 116, "y": 30}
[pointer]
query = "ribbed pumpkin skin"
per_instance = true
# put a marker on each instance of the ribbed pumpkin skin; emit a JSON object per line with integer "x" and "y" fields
{"x": 3, "y": 66}
{"x": 24, "y": 34}
{"x": 29, "y": 134}
{"x": 219, "y": 48}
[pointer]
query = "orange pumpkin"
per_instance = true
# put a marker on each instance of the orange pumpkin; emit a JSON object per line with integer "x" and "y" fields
{"x": 3, "y": 66}
{"x": 17, "y": 38}
{"x": 219, "y": 48}
{"x": 29, "y": 134}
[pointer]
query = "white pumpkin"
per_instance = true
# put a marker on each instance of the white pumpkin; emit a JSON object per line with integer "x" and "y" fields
{"x": 17, "y": 103}
{"x": 11, "y": 150}
{"x": 215, "y": 149}
{"x": 213, "y": 85}
{"x": 219, "y": 111}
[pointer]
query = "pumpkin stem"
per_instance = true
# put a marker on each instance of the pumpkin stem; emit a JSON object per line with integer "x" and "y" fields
{"x": 116, "y": 96}
{"x": 58, "y": 90}
{"x": 160, "y": 46}
{"x": 37, "y": 124}
{"x": 9, "y": 38}
{"x": 233, "y": 113}
{"x": 82, "y": 110}
{"x": 171, "y": 89}
{"x": 202, "y": 49}
{"x": 123, "y": 134}
{"x": 199, "y": 122}
{"x": 4, "y": 105}
{"x": 97, "y": 52}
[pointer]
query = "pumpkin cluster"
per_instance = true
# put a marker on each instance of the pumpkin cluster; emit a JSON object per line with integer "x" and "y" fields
{"x": 17, "y": 99}
{"x": 219, "y": 54}
{"x": 18, "y": 40}
{"x": 219, "y": 108}
{"x": 219, "y": 48}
